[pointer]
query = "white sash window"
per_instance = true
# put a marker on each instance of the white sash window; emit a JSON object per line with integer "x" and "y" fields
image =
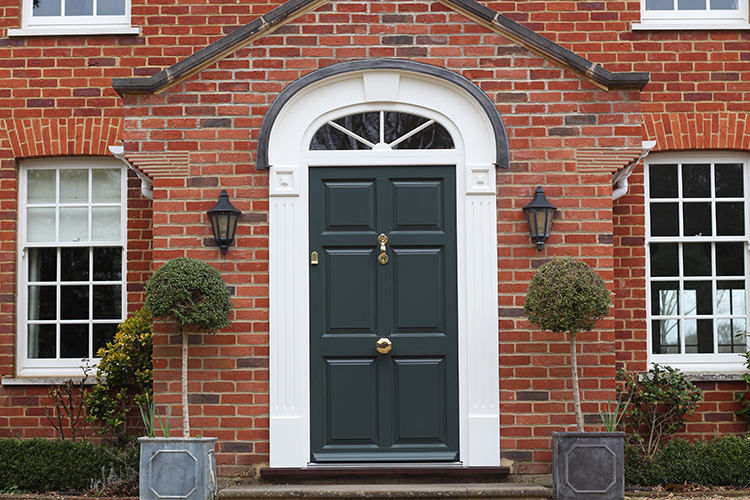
{"x": 72, "y": 254}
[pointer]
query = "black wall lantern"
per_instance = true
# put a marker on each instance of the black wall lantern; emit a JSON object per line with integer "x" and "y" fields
{"x": 539, "y": 214}
{"x": 224, "y": 221}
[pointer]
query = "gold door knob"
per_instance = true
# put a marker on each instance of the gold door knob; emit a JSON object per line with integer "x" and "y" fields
{"x": 383, "y": 346}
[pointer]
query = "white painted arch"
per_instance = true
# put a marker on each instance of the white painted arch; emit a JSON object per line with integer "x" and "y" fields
{"x": 477, "y": 150}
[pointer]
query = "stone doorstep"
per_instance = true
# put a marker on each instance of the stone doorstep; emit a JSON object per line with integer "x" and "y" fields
{"x": 483, "y": 491}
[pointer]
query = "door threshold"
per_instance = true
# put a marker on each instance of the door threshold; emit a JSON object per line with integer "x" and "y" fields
{"x": 397, "y": 472}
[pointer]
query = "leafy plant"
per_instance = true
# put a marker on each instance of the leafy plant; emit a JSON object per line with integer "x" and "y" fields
{"x": 660, "y": 402}
{"x": 57, "y": 465}
{"x": 68, "y": 406}
{"x": 191, "y": 295}
{"x": 721, "y": 461}
{"x": 124, "y": 377}
{"x": 744, "y": 411}
{"x": 149, "y": 415}
{"x": 611, "y": 417}
{"x": 566, "y": 295}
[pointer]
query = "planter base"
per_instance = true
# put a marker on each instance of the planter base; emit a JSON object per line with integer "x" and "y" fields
{"x": 588, "y": 465}
{"x": 178, "y": 468}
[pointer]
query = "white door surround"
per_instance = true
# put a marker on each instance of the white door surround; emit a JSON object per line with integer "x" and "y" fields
{"x": 480, "y": 143}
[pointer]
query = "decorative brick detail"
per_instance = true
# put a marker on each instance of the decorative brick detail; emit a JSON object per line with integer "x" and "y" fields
{"x": 36, "y": 137}
{"x": 605, "y": 159}
{"x": 680, "y": 131}
{"x": 161, "y": 164}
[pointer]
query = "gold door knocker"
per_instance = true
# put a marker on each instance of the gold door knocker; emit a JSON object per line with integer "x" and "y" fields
{"x": 383, "y": 346}
{"x": 382, "y": 239}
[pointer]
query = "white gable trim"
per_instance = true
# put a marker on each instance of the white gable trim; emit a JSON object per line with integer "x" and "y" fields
{"x": 474, "y": 157}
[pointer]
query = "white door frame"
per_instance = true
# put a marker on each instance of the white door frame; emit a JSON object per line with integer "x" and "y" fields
{"x": 289, "y": 160}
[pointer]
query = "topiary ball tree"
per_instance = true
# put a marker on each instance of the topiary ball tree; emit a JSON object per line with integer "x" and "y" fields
{"x": 566, "y": 295}
{"x": 193, "y": 296}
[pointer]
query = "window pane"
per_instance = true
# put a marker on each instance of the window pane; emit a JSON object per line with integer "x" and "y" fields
{"x": 730, "y": 259}
{"x": 106, "y": 182}
{"x": 107, "y": 264}
{"x": 74, "y": 302}
{"x": 664, "y": 219}
{"x": 46, "y": 8}
{"x": 74, "y": 341}
{"x": 106, "y": 223}
{"x": 730, "y": 218}
{"x": 731, "y": 335}
{"x": 696, "y": 258}
{"x": 74, "y": 224}
{"x": 659, "y": 5}
{"x": 729, "y": 182}
{"x": 664, "y": 259}
{"x": 42, "y": 302}
{"x": 74, "y": 264}
{"x": 398, "y": 125}
{"x": 697, "y": 298}
{"x": 662, "y": 179}
{"x": 42, "y": 264}
{"x": 40, "y": 224}
{"x": 102, "y": 335}
{"x": 696, "y": 181}
{"x": 665, "y": 298}
{"x": 691, "y": 4}
{"x": 41, "y": 341}
{"x": 110, "y": 7}
{"x": 40, "y": 186}
{"x": 665, "y": 336}
{"x": 697, "y": 219}
{"x": 730, "y": 297}
{"x": 107, "y": 301}
{"x": 725, "y": 5}
{"x": 699, "y": 336}
{"x": 330, "y": 138}
{"x": 74, "y": 185}
{"x": 79, "y": 7}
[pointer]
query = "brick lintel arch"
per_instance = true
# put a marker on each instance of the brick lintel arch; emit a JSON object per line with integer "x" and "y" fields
{"x": 686, "y": 131}
{"x": 39, "y": 137}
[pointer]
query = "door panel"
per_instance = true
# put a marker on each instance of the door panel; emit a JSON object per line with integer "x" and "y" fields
{"x": 400, "y": 406}
{"x": 355, "y": 310}
{"x": 350, "y": 394}
{"x": 419, "y": 388}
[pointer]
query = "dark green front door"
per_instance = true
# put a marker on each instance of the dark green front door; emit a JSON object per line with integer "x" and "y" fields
{"x": 403, "y": 405}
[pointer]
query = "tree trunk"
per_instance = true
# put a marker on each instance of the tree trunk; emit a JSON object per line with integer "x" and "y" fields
{"x": 185, "y": 412}
{"x": 576, "y": 390}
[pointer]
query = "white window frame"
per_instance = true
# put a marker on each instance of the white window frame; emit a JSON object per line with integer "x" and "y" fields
{"x": 694, "y": 19}
{"x": 694, "y": 362}
{"x": 48, "y": 367}
{"x": 73, "y": 25}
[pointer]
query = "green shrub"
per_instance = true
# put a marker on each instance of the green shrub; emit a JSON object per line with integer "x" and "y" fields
{"x": 190, "y": 293}
{"x": 124, "y": 377}
{"x": 660, "y": 401}
{"x": 723, "y": 461}
{"x": 56, "y": 465}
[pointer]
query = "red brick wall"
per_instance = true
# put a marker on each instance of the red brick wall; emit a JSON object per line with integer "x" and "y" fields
{"x": 49, "y": 83}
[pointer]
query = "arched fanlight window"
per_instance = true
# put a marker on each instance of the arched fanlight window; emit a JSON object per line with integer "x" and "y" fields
{"x": 381, "y": 130}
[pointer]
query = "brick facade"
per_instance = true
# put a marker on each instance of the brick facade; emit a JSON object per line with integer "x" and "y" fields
{"x": 201, "y": 135}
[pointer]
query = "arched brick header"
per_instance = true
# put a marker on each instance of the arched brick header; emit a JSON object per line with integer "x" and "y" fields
{"x": 675, "y": 131}
{"x": 36, "y": 137}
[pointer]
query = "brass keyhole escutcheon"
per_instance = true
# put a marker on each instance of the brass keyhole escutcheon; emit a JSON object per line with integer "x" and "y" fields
{"x": 383, "y": 346}
{"x": 382, "y": 240}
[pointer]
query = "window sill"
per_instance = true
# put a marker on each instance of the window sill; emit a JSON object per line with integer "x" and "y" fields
{"x": 74, "y": 30}
{"x": 713, "y": 376}
{"x": 685, "y": 25}
{"x": 18, "y": 381}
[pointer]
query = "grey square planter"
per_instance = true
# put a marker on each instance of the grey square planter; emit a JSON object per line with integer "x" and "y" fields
{"x": 177, "y": 468}
{"x": 588, "y": 465}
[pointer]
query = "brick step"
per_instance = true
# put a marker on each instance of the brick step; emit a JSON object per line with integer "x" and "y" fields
{"x": 483, "y": 491}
